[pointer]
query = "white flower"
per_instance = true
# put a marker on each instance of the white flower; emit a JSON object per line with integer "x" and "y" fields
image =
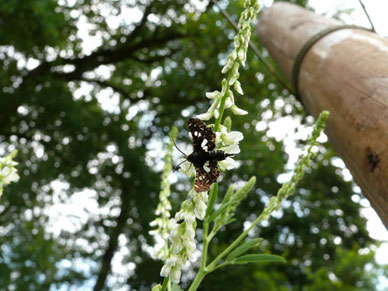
{"x": 234, "y": 55}
{"x": 232, "y": 137}
{"x": 9, "y": 174}
{"x": 187, "y": 169}
{"x": 165, "y": 270}
{"x": 228, "y": 102}
{"x": 189, "y": 231}
{"x": 231, "y": 149}
{"x": 155, "y": 222}
{"x": 200, "y": 209}
{"x": 228, "y": 164}
{"x": 190, "y": 246}
{"x": 190, "y": 218}
{"x": 172, "y": 224}
{"x": 227, "y": 67}
{"x": 236, "y": 41}
{"x": 242, "y": 56}
{"x": 233, "y": 78}
{"x": 200, "y": 200}
{"x": 205, "y": 116}
{"x": 177, "y": 246}
{"x": 175, "y": 275}
{"x": 237, "y": 87}
{"x": 216, "y": 113}
{"x": 213, "y": 95}
{"x": 154, "y": 232}
{"x": 172, "y": 260}
{"x": 223, "y": 90}
{"x": 238, "y": 111}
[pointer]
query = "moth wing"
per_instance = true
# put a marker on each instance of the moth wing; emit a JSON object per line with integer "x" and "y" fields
{"x": 204, "y": 179}
{"x": 201, "y": 133}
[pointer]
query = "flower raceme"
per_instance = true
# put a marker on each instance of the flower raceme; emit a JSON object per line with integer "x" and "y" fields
{"x": 182, "y": 235}
{"x": 182, "y": 228}
{"x": 225, "y": 99}
{"x": 8, "y": 171}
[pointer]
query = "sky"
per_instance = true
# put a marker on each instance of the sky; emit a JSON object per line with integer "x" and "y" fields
{"x": 79, "y": 204}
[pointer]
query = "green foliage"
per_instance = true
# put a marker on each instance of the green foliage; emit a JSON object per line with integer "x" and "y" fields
{"x": 262, "y": 258}
{"x": 35, "y": 24}
{"x": 160, "y": 71}
{"x": 8, "y": 171}
{"x": 243, "y": 248}
{"x": 231, "y": 200}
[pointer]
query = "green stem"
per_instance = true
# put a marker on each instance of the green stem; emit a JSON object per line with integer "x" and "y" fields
{"x": 222, "y": 104}
{"x": 198, "y": 279}
{"x": 220, "y": 266}
{"x": 202, "y": 273}
{"x": 213, "y": 265}
{"x": 202, "y": 270}
{"x": 205, "y": 245}
{"x": 165, "y": 283}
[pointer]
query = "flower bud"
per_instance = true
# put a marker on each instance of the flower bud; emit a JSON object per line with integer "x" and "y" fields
{"x": 213, "y": 95}
{"x": 237, "y": 87}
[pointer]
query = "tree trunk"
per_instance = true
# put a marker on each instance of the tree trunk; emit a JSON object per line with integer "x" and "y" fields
{"x": 346, "y": 73}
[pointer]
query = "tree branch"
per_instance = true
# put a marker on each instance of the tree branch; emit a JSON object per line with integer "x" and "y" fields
{"x": 143, "y": 20}
{"x": 86, "y": 63}
{"x": 118, "y": 54}
{"x": 367, "y": 15}
{"x": 159, "y": 58}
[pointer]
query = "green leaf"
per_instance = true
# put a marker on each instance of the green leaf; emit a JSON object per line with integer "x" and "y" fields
{"x": 218, "y": 212}
{"x": 261, "y": 258}
{"x": 243, "y": 248}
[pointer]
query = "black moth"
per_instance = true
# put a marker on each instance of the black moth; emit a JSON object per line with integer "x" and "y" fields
{"x": 204, "y": 157}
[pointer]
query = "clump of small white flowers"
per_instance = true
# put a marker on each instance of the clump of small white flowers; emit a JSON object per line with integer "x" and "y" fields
{"x": 225, "y": 98}
{"x": 182, "y": 237}
{"x": 8, "y": 171}
{"x": 229, "y": 143}
{"x": 200, "y": 203}
{"x": 161, "y": 222}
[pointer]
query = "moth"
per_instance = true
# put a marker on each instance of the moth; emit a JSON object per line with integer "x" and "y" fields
{"x": 204, "y": 156}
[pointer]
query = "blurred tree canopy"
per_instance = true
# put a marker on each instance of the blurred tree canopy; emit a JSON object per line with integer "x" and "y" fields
{"x": 89, "y": 91}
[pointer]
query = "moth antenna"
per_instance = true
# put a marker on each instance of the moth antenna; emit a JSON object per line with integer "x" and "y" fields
{"x": 178, "y": 166}
{"x": 178, "y": 148}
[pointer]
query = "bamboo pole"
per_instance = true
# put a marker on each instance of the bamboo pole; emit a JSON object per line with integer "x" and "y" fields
{"x": 346, "y": 73}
